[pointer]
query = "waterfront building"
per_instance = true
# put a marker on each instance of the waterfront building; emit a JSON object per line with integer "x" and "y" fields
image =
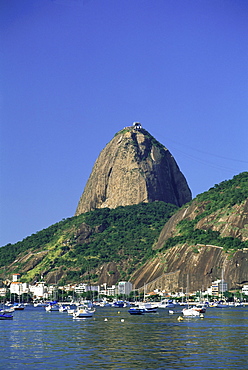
{"x": 125, "y": 287}
{"x": 16, "y": 287}
{"x": 3, "y": 292}
{"x": 245, "y": 289}
{"x": 218, "y": 287}
{"x": 112, "y": 291}
{"x": 82, "y": 288}
{"x": 39, "y": 290}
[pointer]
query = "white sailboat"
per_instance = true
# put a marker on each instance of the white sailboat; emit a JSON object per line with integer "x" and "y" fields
{"x": 189, "y": 311}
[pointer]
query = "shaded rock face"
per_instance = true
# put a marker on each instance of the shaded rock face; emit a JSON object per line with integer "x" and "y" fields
{"x": 232, "y": 223}
{"x": 133, "y": 168}
{"x": 199, "y": 264}
{"x": 202, "y": 263}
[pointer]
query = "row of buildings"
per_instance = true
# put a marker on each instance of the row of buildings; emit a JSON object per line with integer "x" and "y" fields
{"x": 41, "y": 290}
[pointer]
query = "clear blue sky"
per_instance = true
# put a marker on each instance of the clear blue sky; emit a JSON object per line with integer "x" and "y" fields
{"x": 75, "y": 72}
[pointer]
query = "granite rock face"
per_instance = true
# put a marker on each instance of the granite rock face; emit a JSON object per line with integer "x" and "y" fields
{"x": 133, "y": 168}
{"x": 203, "y": 264}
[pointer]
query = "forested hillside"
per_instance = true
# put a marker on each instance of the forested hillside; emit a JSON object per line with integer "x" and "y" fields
{"x": 109, "y": 245}
{"x": 218, "y": 217}
{"x": 82, "y": 243}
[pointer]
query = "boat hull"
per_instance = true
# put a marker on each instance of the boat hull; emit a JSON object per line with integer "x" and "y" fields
{"x": 83, "y": 312}
{"x": 136, "y": 311}
{"x": 51, "y": 308}
{"x": 190, "y": 312}
{"x": 6, "y": 317}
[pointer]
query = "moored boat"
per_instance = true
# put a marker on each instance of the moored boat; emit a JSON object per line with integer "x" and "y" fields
{"x": 71, "y": 310}
{"x": 6, "y": 310}
{"x": 18, "y": 306}
{"x": 52, "y": 306}
{"x": 200, "y": 308}
{"x": 5, "y": 316}
{"x": 190, "y": 312}
{"x": 83, "y": 312}
{"x": 136, "y": 311}
{"x": 63, "y": 308}
{"x": 168, "y": 304}
{"x": 118, "y": 304}
{"x": 40, "y": 304}
{"x": 148, "y": 308}
{"x": 221, "y": 304}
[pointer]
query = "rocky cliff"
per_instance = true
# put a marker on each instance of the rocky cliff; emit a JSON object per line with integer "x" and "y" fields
{"x": 217, "y": 216}
{"x": 228, "y": 221}
{"x": 134, "y": 168}
{"x": 202, "y": 264}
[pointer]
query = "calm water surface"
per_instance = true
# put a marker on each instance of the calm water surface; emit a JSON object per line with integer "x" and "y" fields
{"x": 36, "y": 339}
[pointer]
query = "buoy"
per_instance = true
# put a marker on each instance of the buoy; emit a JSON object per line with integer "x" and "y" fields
{"x": 122, "y": 320}
{"x": 118, "y": 312}
{"x": 202, "y": 316}
{"x": 180, "y": 318}
{"x": 105, "y": 319}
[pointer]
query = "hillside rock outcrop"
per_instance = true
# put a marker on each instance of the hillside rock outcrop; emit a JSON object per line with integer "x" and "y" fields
{"x": 200, "y": 264}
{"x": 134, "y": 168}
{"x": 231, "y": 221}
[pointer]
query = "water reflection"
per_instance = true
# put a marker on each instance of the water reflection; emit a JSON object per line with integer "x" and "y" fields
{"x": 36, "y": 339}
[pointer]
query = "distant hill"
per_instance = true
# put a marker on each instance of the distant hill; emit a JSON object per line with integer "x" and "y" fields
{"x": 156, "y": 243}
{"x": 116, "y": 240}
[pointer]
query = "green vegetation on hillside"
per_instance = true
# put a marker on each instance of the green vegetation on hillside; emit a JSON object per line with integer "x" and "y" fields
{"x": 219, "y": 198}
{"x": 227, "y": 193}
{"x": 190, "y": 235}
{"x": 126, "y": 233}
{"x": 80, "y": 245}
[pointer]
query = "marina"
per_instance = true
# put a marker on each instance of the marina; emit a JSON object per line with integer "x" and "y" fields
{"x": 114, "y": 339}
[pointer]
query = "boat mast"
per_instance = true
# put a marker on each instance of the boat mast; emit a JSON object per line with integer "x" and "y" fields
{"x": 222, "y": 282}
{"x": 187, "y": 291}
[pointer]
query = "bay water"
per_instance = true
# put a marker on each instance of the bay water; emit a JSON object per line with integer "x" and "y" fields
{"x": 114, "y": 339}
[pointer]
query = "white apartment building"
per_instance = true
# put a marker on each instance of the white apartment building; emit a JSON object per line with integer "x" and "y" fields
{"x": 16, "y": 287}
{"x": 39, "y": 290}
{"x": 3, "y": 292}
{"x": 245, "y": 289}
{"x": 112, "y": 291}
{"x": 218, "y": 287}
{"x": 125, "y": 287}
{"x": 82, "y": 288}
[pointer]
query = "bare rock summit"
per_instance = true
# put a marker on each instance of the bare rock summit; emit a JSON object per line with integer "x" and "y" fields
{"x": 134, "y": 168}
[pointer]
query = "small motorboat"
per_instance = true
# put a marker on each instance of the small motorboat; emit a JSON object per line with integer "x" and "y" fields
{"x": 221, "y": 304}
{"x": 71, "y": 310}
{"x": 6, "y": 310}
{"x": 5, "y": 316}
{"x": 52, "y": 306}
{"x": 83, "y": 312}
{"x": 172, "y": 312}
{"x": 118, "y": 304}
{"x": 39, "y": 304}
{"x": 136, "y": 311}
{"x": 18, "y": 306}
{"x": 148, "y": 308}
{"x": 63, "y": 308}
{"x": 190, "y": 312}
{"x": 200, "y": 308}
{"x": 167, "y": 304}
